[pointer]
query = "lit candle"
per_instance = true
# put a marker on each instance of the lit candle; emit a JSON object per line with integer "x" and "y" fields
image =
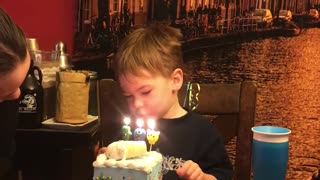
{"x": 139, "y": 133}
{"x": 126, "y": 130}
{"x": 152, "y": 135}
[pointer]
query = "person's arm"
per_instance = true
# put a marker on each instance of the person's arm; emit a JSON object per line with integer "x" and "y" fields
{"x": 218, "y": 163}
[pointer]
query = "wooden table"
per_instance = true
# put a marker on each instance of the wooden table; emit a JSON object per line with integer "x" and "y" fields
{"x": 56, "y": 154}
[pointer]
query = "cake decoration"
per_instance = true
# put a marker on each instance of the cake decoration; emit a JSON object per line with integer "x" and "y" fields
{"x": 125, "y": 149}
{"x": 139, "y": 133}
{"x": 101, "y": 177}
{"x": 126, "y": 129}
{"x": 152, "y": 135}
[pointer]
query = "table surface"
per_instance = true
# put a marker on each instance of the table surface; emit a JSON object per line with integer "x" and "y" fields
{"x": 58, "y": 138}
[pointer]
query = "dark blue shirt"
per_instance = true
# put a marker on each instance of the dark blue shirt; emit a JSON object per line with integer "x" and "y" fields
{"x": 193, "y": 137}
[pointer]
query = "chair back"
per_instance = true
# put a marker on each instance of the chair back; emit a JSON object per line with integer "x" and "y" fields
{"x": 232, "y": 105}
{"x": 233, "y": 108}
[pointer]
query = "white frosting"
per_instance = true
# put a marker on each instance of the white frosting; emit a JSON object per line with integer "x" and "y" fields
{"x": 147, "y": 169}
{"x": 100, "y": 160}
{"x": 136, "y": 165}
{"x": 110, "y": 162}
{"x": 144, "y": 162}
{"x": 121, "y": 164}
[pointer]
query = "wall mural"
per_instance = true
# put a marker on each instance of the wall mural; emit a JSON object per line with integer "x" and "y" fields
{"x": 103, "y": 23}
{"x": 101, "y": 26}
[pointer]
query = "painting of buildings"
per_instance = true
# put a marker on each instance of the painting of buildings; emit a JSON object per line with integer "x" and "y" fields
{"x": 146, "y": 11}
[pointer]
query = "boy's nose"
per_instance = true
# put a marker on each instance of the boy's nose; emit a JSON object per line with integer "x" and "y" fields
{"x": 138, "y": 108}
{"x": 137, "y": 103}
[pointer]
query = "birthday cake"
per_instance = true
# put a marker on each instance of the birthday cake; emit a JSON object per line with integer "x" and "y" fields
{"x": 128, "y": 160}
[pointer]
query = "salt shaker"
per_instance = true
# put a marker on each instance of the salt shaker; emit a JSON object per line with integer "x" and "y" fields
{"x": 61, "y": 48}
{"x": 62, "y": 56}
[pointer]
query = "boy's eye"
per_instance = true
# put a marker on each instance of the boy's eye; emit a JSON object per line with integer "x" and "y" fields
{"x": 146, "y": 92}
{"x": 127, "y": 96}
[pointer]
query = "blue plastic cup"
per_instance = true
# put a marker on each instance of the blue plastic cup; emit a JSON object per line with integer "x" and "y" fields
{"x": 270, "y": 152}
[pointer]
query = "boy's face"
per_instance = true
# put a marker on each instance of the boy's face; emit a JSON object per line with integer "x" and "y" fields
{"x": 152, "y": 96}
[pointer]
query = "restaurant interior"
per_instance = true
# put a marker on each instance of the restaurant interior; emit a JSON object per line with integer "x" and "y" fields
{"x": 54, "y": 148}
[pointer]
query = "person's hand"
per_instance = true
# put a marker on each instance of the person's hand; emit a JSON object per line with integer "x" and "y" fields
{"x": 191, "y": 171}
{"x": 101, "y": 151}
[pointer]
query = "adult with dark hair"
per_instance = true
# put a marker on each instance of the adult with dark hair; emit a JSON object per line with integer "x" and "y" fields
{"x": 14, "y": 65}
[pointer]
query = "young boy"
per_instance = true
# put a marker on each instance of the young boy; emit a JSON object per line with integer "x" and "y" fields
{"x": 148, "y": 68}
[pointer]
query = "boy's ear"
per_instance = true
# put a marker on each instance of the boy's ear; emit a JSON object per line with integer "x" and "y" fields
{"x": 177, "y": 78}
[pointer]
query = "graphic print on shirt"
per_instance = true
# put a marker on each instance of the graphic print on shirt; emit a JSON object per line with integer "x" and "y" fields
{"x": 170, "y": 163}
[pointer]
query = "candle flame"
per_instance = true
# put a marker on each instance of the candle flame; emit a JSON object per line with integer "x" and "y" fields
{"x": 151, "y": 123}
{"x": 139, "y": 122}
{"x": 126, "y": 120}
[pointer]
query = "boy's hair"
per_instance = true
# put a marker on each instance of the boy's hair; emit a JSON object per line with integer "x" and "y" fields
{"x": 156, "y": 48}
{"x": 13, "y": 47}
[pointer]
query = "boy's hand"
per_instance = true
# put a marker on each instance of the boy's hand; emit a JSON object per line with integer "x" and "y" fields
{"x": 191, "y": 171}
{"x": 101, "y": 151}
